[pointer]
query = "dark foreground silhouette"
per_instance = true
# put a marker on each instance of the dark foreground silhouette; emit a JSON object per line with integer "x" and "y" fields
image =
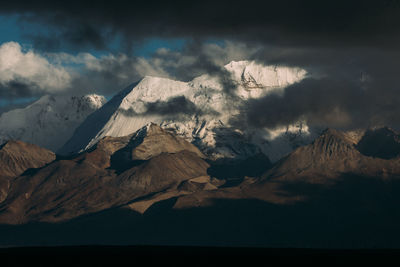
{"x": 189, "y": 256}
{"x": 356, "y": 212}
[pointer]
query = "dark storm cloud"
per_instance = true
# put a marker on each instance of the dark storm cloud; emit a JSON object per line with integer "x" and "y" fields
{"x": 78, "y": 37}
{"x": 107, "y": 76}
{"x": 282, "y": 22}
{"x": 348, "y": 87}
{"x": 316, "y": 100}
{"x": 348, "y": 98}
{"x": 349, "y": 48}
{"x": 173, "y": 107}
{"x": 17, "y": 89}
{"x": 203, "y": 63}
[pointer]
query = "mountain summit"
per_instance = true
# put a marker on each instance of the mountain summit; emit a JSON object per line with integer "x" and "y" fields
{"x": 198, "y": 110}
{"x": 332, "y": 154}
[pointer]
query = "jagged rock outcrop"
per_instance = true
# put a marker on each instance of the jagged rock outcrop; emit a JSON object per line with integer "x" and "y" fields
{"x": 152, "y": 140}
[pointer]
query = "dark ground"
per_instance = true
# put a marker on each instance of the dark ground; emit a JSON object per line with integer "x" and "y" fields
{"x": 189, "y": 256}
{"x": 356, "y": 213}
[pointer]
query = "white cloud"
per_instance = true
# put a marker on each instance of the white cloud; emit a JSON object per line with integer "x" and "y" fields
{"x": 61, "y": 58}
{"x": 82, "y": 73}
{"x": 31, "y": 68}
{"x": 229, "y": 51}
{"x": 154, "y": 68}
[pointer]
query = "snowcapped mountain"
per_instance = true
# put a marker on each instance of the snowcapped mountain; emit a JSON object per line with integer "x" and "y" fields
{"x": 50, "y": 121}
{"x": 199, "y": 110}
{"x": 256, "y": 76}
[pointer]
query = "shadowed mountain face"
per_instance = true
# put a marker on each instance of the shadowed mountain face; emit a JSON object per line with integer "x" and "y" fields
{"x": 380, "y": 143}
{"x": 238, "y": 169}
{"x": 354, "y": 213}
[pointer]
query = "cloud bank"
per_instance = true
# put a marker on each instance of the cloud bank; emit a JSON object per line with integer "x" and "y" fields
{"x": 83, "y": 24}
{"x": 350, "y": 49}
{"x": 23, "y": 74}
{"x": 28, "y": 72}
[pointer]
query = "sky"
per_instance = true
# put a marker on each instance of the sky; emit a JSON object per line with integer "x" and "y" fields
{"x": 77, "y": 47}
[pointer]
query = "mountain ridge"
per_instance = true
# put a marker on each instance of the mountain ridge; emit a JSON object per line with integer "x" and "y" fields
{"x": 331, "y": 159}
{"x": 91, "y": 181}
{"x": 151, "y": 100}
{"x": 121, "y": 173}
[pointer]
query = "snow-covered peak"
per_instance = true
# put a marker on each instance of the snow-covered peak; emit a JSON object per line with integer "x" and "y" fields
{"x": 256, "y": 80}
{"x": 152, "y": 89}
{"x": 93, "y": 100}
{"x": 205, "y": 123}
{"x": 254, "y": 75}
{"x": 75, "y": 103}
{"x": 50, "y": 121}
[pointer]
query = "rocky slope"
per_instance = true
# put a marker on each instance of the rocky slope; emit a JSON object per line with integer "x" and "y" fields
{"x": 152, "y": 140}
{"x": 151, "y": 187}
{"x": 96, "y": 180}
{"x": 16, "y": 157}
{"x": 331, "y": 159}
{"x": 332, "y": 154}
